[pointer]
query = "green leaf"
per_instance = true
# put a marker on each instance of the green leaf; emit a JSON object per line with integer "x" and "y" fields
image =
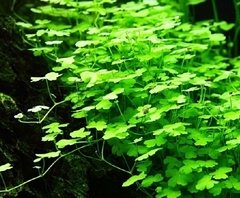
{"x": 36, "y": 79}
{"x": 150, "y": 143}
{"x": 19, "y": 116}
{"x": 66, "y": 61}
{"x": 230, "y": 146}
{"x": 232, "y": 182}
{"x": 205, "y": 182}
{"x": 104, "y": 104}
{"x": 138, "y": 140}
{"x": 49, "y": 155}
{"x": 175, "y": 129}
{"x": 143, "y": 166}
{"x": 200, "y": 81}
{"x": 221, "y": 173}
{"x": 37, "y": 108}
{"x": 24, "y": 25}
{"x": 233, "y": 142}
{"x": 52, "y": 76}
{"x": 117, "y": 130}
{"x": 50, "y": 136}
{"x": 53, "y": 42}
{"x": 5, "y": 167}
{"x": 147, "y": 155}
{"x": 54, "y": 127}
{"x": 207, "y": 163}
{"x": 168, "y": 192}
{"x": 149, "y": 180}
{"x": 110, "y": 96}
{"x": 184, "y": 77}
{"x": 223, "y": 76}
{"x": 89, "y": 77}
{"x": 158, "y": 89}
{"x": 134, "y": 179}
{"x": 66, "y": 142}
{"x": 80, "y": 133}
{"x": 79, "y": 114}
{"x": 99, "y": 125}
{"x": 201, "y": 138}
{"x": 40, "y": 50}
{"x": 217, "y": 37}
{"x": 195, "y": 2}
{"x": 153, "y": 115}
{"x": 118, "y": 90}
{"x": 177, "y": 177}
{"x": 88, "y": 108}
{"x": 202, "y": 141}
{"x": 226, "y": 26}
{"x": 133, "y": 151}
{"x": 217, "y": 189}
{"x": 232, "y": 115}
{"x": 81, "y": 44}
{"x": 189, "y": 166}
{"x": 189, "y": 151}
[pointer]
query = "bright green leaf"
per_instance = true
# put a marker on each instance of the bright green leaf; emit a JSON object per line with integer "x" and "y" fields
{"x": 149, "y": 180}
{"x": 221, "y": 173}
{"x": 205, "y": 182}
{"x": 104, "y": 104}
{"x": 134, "y": 179}
{"x": 5, "y": 167}
{"x": 99, "y": 125}
{"x": 232, "y": 115}
{"x": 52, "y": 76}
{"x": 81, "y": 133}
{"x": 110, "y": 96}
{"x": 53, "y": 42}
{"x": 66, "y": 142}
{"x": 195, "y": 2}
{"x": 147, "y": 155}
{"x": 49, "y": 155}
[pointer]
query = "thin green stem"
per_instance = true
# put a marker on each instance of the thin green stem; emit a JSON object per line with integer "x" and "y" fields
{"x": 120, "y": 111}
{"x": 44, "y": 117}
{"x": 185, "y": 9}
{"x": 215, "y": 12}
{"x": 109, "y": 163}
{"x": 236, "y": 4}
{"x": 43, "y": 166}
{"x": 49, "y": 92}
{"x": 45, "y": 172}
{"x": 4, "y": 183}
{"x": 235, "y": 39}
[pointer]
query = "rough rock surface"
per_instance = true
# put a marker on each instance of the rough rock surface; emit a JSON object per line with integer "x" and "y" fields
{"x": 19, "y": 142}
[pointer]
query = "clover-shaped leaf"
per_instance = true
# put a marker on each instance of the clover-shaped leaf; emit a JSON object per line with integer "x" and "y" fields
{"x": 5, "y": 167}
{"x": 81, "y": 133}
{"x": 38, "y": 108}
{"x": 205, "y": 182}
{"x": 52, "y": 76}
{"x": 134, "y": 179}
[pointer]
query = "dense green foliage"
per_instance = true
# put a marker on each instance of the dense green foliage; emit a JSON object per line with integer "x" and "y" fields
{"x": 159, "y": 91}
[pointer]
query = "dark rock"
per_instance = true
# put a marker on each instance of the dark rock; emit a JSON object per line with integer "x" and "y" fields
{"x": 19, "y": 142}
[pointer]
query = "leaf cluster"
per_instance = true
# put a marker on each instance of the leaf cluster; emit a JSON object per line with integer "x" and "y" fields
{"x": 158, "y": 90}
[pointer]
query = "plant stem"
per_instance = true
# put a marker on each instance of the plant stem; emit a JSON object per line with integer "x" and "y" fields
{"x": 49, "y": 92}
{"x": 109, "y": 163}
{"x": 44, "y": 117}
{"x": 215, "y": 12}
{"x": 237, "y": 28}
{"x": 120, "y": 111}
{"x": 4, "y": 183}
{"x": 185, "y": 9}
{"x": 45, "y": 172}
